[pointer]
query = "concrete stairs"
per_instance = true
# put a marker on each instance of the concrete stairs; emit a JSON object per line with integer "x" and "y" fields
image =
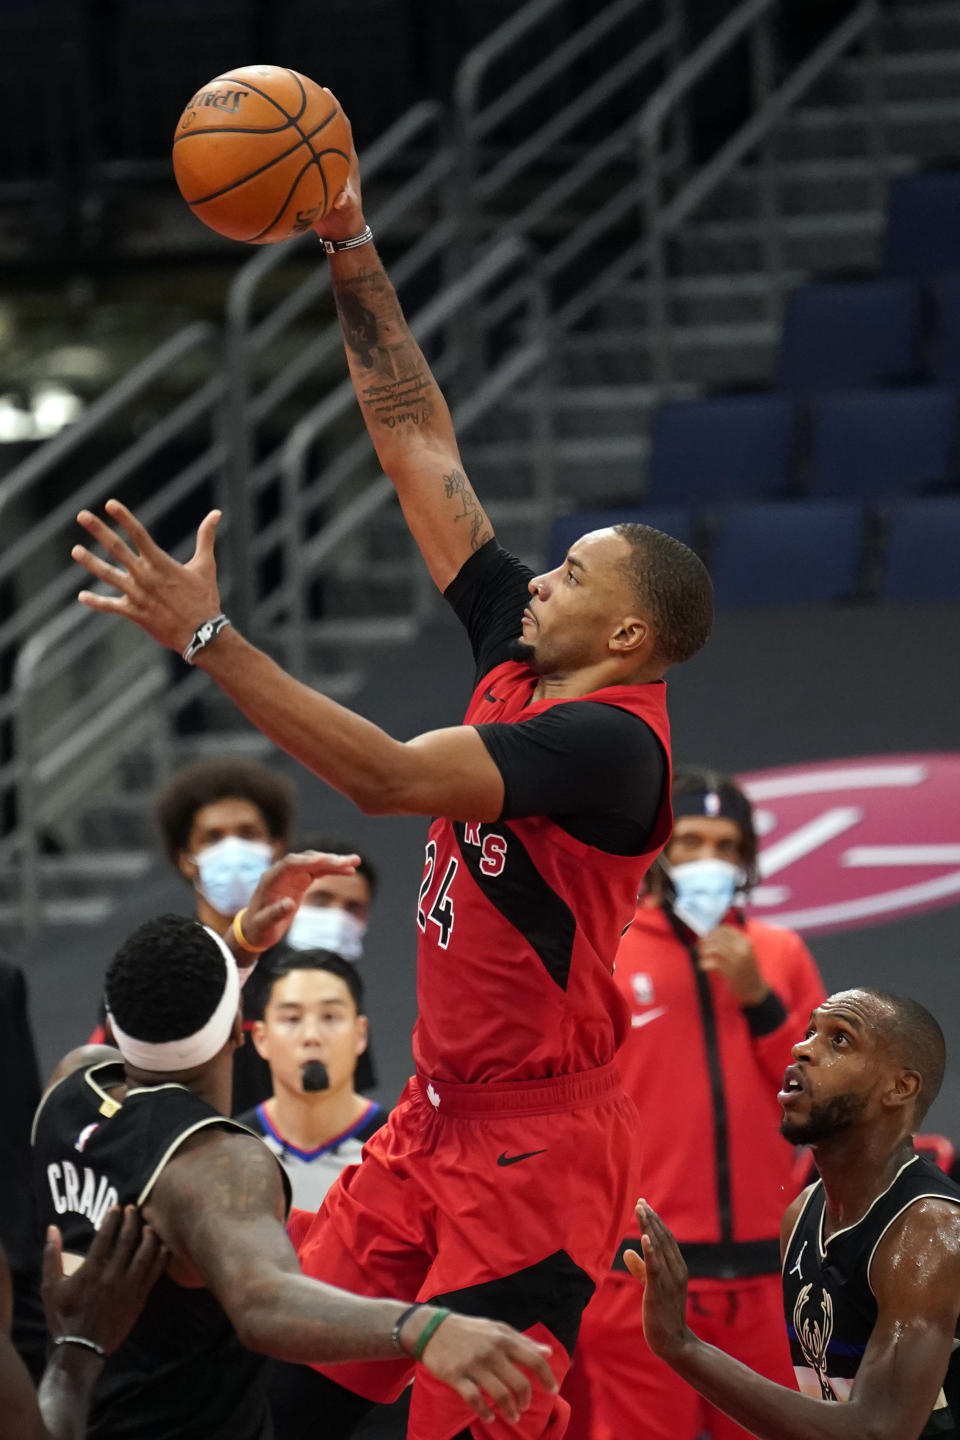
{"x": 723, "y": 302}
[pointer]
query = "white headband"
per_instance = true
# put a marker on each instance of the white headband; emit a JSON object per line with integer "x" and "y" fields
{"x": 191, "y": 1050}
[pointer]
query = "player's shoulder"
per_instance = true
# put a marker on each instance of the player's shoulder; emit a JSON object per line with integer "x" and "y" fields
{"x": 75, "y": 1064}
{"x": 928, "y": 1226}
{"x": 214, "y": 1156}
{"x": 84, "y": 1057}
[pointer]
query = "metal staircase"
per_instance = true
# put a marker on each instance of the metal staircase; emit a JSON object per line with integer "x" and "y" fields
{"x": 869, "y": 117}
{"x": 590, "y": 269}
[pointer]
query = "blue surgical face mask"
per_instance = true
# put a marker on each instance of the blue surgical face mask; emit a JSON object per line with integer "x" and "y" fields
{"x": 228, "y": 872}
{"x": 703, "y": 891}
{"x": 327, "y": 927}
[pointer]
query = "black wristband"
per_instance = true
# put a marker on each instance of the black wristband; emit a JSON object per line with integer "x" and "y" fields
{"x": 203, "y": 635}
{"x": 766, "y": 1016}
{"x": 400, "y": 1322}
{"x": 334, "y": 247}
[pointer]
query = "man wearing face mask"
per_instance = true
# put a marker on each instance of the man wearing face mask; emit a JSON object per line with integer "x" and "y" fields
{"x": 717, "y": 1001}
{"x": 335, "y": 911}
{"x": 223, "y": 823}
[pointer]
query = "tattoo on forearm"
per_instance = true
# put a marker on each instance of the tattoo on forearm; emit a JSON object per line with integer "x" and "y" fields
{"x": 377, "y": 335}
{"x": 457, "y": 485}
{"x": 359, "y": 326}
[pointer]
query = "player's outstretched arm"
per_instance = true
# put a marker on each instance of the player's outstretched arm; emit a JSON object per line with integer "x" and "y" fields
{"x": 904, "y": 1363}
{"x": 446, "y": 772}
{"x": 402, "y": 405}
{"x": 218, "y": 1205}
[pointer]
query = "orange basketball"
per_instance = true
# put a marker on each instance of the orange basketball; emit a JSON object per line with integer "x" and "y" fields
{"x": 261, "y": 153}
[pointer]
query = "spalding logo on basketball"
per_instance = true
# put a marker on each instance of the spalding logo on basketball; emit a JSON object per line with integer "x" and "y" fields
{"x": 850, "y": 843}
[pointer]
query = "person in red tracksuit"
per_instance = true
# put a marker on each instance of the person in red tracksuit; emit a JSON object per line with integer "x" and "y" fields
{"x": 717, "y": 1002}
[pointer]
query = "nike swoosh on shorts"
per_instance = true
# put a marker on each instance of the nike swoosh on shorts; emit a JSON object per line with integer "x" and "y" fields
{"x": 506, "y": 1159}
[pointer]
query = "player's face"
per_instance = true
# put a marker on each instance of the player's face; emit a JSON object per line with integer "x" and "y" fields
{"x": 214, "y": 822}
{"x": 311, "y": 1015}
{"x": 838, "y": 1072}
{"x": 705, "y": 837}
{"x": 577, "y": 608}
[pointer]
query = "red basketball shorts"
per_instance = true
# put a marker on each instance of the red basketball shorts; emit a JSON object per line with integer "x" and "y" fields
{"x": 505, "y": 1200}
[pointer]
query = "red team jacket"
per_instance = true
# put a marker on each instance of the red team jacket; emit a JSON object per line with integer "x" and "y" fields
{"x": 507, "y": 907}
{"x": 714, "y": 1163}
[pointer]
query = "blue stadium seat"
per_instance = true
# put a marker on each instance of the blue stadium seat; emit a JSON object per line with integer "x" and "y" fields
{"x": 945, "y": 361}
{"x": 923, "y": 224}
{"x": 674, "y": 520}
{"x": 850, "y": 333}
{"x": 779, "y": 553}
{"x": 883, "y": 442}
{"x": 923, "y": 550}
{"x": 732, "y": 447}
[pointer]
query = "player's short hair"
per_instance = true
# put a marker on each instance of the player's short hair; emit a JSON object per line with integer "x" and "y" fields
{"x": 317, "y": 959}
{"x": 914, "y": 1037}
{"x": 165, "y": 980}
{"x": 336, "y": 845}
{"x": 206, "y": 781}
{"x": 672, "y": 586}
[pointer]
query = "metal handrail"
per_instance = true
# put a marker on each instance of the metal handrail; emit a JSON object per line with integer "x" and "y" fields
{"x": 664, "y": 219}
{"x": 469, "y": 76}
{"x": 451, "y": 156}
{"x": 150, "y": 369}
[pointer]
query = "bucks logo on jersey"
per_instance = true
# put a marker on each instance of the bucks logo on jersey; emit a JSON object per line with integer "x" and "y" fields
{"x": 813, "y": 1323}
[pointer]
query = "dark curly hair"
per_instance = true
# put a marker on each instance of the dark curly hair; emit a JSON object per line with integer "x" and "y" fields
{"x": 165, "y": 980}
{"x": 205, "y": 781}
{"x": 671, "y": 584}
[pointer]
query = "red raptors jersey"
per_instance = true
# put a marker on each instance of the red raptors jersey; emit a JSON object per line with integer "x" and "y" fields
{"x": 520, "y": 922}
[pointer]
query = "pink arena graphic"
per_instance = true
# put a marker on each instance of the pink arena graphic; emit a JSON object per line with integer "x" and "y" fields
{"x": 851, "y": 843}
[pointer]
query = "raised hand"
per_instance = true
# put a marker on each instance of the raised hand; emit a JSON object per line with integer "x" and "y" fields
{"x": 344, "y": 219}
{"x": 103, "y": 1298}
{"x": 166, "y": 599}
{"x": 485, "y": 1362}
{"x": 663, "y": 1273}
{"x": 280, "y": 892}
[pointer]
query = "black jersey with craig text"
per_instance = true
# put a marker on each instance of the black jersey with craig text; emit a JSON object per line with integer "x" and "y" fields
{"x": 181, "y": 1371}
{"x": 829, "y": 1305}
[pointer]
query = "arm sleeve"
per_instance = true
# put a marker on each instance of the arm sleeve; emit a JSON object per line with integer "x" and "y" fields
{"x": 488, "y": 596}
{"x": 799, "y": 989}
{"x": 597, "y": 770}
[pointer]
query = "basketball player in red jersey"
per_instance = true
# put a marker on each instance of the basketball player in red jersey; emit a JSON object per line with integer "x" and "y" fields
{"x": 497, "y": 1182}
